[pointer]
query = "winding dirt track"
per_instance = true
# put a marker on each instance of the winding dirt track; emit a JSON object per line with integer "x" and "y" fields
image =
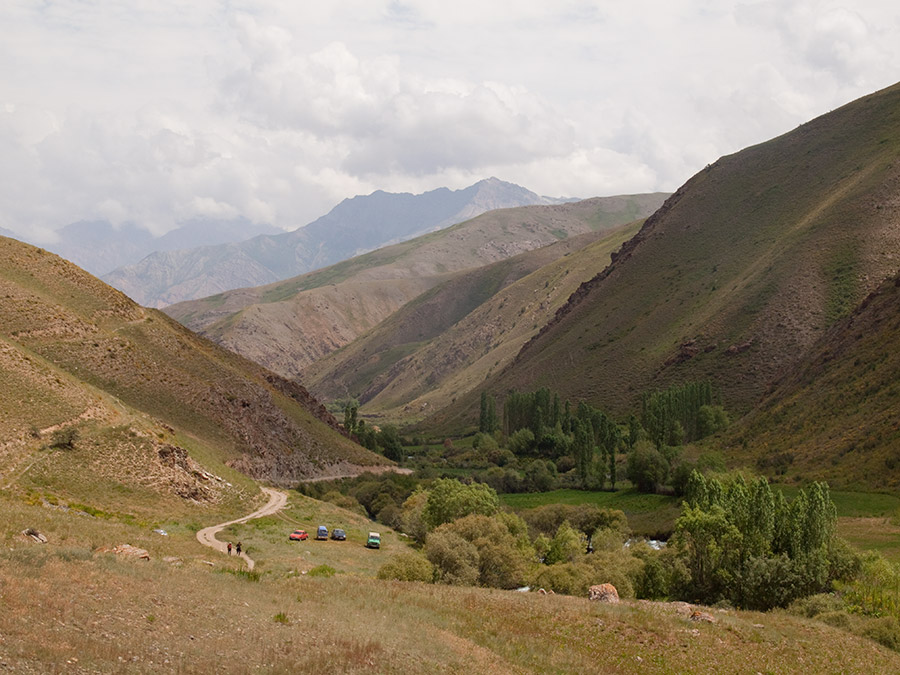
{"x": 207, "y": 536}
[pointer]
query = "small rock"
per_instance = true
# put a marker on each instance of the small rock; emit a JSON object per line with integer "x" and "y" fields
{"x": 697, "y": 615}
{"x": 34, "y": 535}
{"x": 604, "y": 593}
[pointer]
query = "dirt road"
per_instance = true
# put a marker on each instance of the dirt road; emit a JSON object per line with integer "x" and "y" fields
{"x": 207, "y": 536}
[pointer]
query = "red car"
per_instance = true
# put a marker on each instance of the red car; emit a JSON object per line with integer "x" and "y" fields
{"x": 299, "y": 535}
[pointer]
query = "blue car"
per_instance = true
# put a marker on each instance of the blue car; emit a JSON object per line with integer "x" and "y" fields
{"x": 322, "y": 532}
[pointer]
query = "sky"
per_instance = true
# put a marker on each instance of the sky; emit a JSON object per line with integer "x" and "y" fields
{"x": 159, "y": 111}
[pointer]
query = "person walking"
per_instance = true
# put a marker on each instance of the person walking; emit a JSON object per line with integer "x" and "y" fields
{"x": 238, "y": 548}
{"x": 229, "y": 548}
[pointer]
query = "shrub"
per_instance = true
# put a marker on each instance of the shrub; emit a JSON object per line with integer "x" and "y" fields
{"x": 885, "y": 631}
{"x": 322, "y": 571}
{"x": 566, "y": 578}
{"x": 522, "y": 441}
{"x": 64, "y": 438}
{"x": 455, "y": 560}
{"x": 815, "y": 605}
{"x": 408, "y": 566}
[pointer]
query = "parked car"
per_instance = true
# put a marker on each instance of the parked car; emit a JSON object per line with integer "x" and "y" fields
{"x": 374, "y": 540}
{"x": 322, "y": 532}
{"x": 298, "y": 535}
{"x": 338, "y": 534}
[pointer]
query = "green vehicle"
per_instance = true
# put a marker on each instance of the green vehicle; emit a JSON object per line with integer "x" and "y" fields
{"x": 374, "y": 540}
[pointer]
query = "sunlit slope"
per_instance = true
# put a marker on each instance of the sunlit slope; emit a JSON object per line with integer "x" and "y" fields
{"x": 290, "y": 324}
{"x": 738, "y": 274}
{"x": 445, "y": 342}
{"x": 78, "y": 354}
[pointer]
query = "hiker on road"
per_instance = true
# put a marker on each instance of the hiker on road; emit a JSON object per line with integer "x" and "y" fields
{"x": 238, "y": 548}
{"x": 229, "y": 548}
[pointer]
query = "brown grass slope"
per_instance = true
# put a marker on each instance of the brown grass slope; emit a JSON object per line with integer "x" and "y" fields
{"x": 69, "y": 607}
{"x": 290, "y": 324}
{"x": 447, "y": 341}
{"x": 836, "y": 416}
{"x": 141, "y": 390}
{"x": 738, "y": 274}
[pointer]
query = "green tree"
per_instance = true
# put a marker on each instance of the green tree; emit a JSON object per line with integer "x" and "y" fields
{"x": 389, "y": 441}
{"x": 487, "y": 421}
{"x": 449, "y": 499}
{"x": 646, "y": 467}
{"x": 351, "y": 415}
{"x": 567, "y": 544}
{"x": 583, "y": 450}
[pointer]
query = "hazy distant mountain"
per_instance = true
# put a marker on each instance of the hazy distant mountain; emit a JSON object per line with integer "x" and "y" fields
{"x": 353, "y": 227}
{"x": 99, "y": 247}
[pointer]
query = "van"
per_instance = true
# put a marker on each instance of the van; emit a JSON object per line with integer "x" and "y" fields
{"x": 374, "y": 540}
{"x": 322, "y": 532}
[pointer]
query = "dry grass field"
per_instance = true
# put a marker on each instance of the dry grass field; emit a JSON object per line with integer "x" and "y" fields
{"x": 67, "y": 606}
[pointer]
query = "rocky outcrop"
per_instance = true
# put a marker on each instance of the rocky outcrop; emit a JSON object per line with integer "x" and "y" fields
{"x": 604, "y": 593}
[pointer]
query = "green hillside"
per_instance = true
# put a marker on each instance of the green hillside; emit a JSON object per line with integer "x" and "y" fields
{"x": 105, "y": 401}
{"x": 291, "y": 324}
{"x": 836, "y": 415}
{"x": 737, "y": 275}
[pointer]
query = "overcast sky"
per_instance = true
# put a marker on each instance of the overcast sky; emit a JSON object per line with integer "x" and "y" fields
{"x": 156, "y": 111}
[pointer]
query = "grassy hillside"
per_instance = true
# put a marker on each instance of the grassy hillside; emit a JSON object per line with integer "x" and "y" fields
{"x": 739, "y": 273}
{"x": 105, "y": 401}
{"x": 836, "y": 416}
{"x": 288, "y": 325}
{"x": 445, "y": 342}
{"x": 176, "y": 613}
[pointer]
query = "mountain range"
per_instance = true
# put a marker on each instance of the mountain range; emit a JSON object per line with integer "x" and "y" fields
{"x": 293, "y": 323}
{"x": 354, "y": 226}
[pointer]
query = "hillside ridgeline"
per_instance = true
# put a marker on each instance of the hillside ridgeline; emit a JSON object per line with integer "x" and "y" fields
{"x": 737, "y": 276}
{"x": 288, "y": 325}
{"x": 99, "y": 395}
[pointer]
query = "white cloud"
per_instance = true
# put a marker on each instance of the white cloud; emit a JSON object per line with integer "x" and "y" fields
{"x": 156, "y": 112}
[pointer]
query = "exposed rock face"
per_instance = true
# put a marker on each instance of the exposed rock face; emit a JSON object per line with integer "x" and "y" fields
{"x": 604, "y": 593}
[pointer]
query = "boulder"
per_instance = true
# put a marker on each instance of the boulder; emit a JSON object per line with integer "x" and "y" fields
{"x": 604, "y": 593}
{"x": 131, "y": 551}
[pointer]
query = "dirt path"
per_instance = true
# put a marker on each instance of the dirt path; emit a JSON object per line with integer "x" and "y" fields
{"x": 207, "y": 536}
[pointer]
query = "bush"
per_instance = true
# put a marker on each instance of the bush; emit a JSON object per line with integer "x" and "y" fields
{"x": 815, "y": 605}
{"x": 521, "y": 442}
{"x": 455, "y": 560}
{"x": 710, "y": 419}
{"x": 408, "y": 566}
{"x": 322, "y": 571}
{"x": 566, "y": 578}
{"x": 64, "y": 438}
{"x": 885, "y": 631}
